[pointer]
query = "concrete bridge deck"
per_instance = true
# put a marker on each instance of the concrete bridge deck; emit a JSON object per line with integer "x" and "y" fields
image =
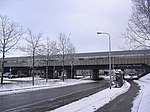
{"x": 130, "y": 59}
{"x": 96, "y": 58}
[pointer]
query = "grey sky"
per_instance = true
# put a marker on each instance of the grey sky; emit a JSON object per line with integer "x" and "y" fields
{"x": 80, "y": 18}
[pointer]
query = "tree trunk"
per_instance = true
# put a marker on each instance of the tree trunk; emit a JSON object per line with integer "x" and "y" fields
{"x": 71, "y": 71}
{"x": 46, "y": 70}
{"x": 63, "y": 66}
{"x": 3, "y": 61}
{"x": 33, "y": 69}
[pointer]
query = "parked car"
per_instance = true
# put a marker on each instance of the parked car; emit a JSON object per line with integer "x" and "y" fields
{"x": 13, "y": 76}
{"x": 131, "y": 76}
{"x": 9, "y": 75}
{"x": 6, "y": 75}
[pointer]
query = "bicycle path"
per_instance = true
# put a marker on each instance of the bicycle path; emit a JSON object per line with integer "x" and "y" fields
{"x": 122, "y": 103}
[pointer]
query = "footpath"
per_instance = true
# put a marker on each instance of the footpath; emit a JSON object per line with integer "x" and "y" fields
{"x": 122, "y": 103}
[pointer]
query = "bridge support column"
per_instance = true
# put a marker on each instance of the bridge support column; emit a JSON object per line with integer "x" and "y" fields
{"x": 95, "y": 74}
{"x": 50, "y": 74}
{"x": 55, "y": 74}
{"x": 59, "y": 73}
{"x": 71, "y": 75}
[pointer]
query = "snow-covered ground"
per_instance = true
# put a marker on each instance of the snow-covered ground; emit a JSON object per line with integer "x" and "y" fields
{"x": 88, "y": 104}
{"x": 95, "y": 101}
{"x": 142, "y": 101}
{"x": 18, "y": 85}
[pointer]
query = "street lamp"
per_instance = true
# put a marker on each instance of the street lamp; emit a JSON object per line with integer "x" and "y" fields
{"x": 109, "y": 54}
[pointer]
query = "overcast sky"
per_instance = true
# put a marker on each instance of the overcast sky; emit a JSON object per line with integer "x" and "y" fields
{"x": 79, "y": 18}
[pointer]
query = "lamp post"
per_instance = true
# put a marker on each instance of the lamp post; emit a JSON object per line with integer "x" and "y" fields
{"x": 109, "y": 54}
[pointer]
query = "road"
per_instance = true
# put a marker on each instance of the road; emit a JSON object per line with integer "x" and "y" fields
{"x": 48, "y": 99}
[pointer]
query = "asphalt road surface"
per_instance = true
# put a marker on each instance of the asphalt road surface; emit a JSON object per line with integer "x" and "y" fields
{"x": 48, "y": 99}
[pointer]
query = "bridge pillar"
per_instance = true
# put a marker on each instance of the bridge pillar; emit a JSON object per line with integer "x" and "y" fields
{"x": 73, "y": 73}
{"x": 55, "y": 74}
{"x": 59, "y": 73}
{"x": 50, "y": 74}
{"x": 69, "y": 75}
{"x": 95, "y": 74}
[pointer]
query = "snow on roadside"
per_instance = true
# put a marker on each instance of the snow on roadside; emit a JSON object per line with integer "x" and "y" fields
{"x": 19, "y": 85}
{"x": 95, "y": 101}
{"x": 142, "y": 101}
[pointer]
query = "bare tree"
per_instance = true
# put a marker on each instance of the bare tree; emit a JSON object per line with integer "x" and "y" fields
{"x": 63, "y": 49}
{"x": 33, "y": 44}
{"x": 138, "y": 30}
{"x": 10, "y": 34}
{"x": 71, "y": 58}
{"x": 47, "y": 50}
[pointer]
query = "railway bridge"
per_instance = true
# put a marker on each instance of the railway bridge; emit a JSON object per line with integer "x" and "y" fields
{"x": 94, "y": 61}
